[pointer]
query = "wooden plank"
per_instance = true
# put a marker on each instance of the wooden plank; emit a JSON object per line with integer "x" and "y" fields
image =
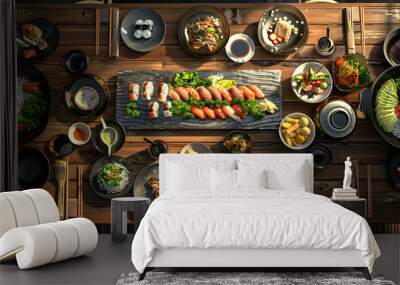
{"x": 372, "y": 23}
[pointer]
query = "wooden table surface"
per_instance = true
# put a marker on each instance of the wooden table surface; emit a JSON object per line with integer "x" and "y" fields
{"x": 77, "y": 28}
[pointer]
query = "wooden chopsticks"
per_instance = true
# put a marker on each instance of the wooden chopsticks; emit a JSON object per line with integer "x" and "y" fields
{"x": 79, "y": 181}
{"x": 97, "y": 31}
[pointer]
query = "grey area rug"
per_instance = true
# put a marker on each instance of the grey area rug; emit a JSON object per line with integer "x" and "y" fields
{"x": 253, "y": 278}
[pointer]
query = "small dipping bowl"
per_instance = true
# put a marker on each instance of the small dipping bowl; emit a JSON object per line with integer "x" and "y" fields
{"x": 240, "y": 48}
{"x": 325, "y": 46}
{"x": 60, "y": 145}
{"x": 76, "y": 61}
{"x": 158, "y": 147}
{"x": 79, "y": 133}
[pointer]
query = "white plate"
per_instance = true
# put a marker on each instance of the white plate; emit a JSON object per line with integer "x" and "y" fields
{"x": 317, "y": 67}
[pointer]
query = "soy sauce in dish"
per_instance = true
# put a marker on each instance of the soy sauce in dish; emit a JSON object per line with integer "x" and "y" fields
{"x": 394, "y": 49}
{"x": 76, "y": 61}
{"x": 240, "y": 48}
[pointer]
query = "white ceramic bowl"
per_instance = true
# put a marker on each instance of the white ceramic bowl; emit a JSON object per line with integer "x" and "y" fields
{"x": 317, "y": 67}
{"x": 196, "y": 147}
{"x": 83, "y": 127}
{"x": 243, "y": 38}
{"x": 310, "y": 138}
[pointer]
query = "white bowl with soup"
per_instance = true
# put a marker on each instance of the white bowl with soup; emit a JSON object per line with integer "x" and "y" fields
{"x": 86, "y": 98}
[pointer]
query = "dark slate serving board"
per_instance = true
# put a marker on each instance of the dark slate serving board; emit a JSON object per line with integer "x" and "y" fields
{"x": 269, "y": 81}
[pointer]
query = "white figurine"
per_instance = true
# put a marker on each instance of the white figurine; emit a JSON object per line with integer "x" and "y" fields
{"x": 347, "y": 174}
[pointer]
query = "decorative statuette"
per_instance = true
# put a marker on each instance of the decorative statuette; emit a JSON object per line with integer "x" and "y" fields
{"x": 347, "y": 174}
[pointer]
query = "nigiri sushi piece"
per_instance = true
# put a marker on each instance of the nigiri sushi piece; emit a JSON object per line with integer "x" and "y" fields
{"x": 257, "y": 91}
{"x": 163, "y": 89}
{"x": 204, "y": 93}
{"x": 239, "y": 111}
{"x": 219, "y": 113}
{"x": 183, "y": 93}
{"x": 167, "y": 113}
{"x": 193, "y": 93}
{"x": 247, "y": 93}
{"x": 148, "y": 90}
{"x": 153, "y": 109}
{"x": 209, "y": 113}
{"x": 230, "y": 113}
{"x": 235, "y": 93}
{"x": 215, "y": 93}
{"x": 198, "y": 112}
{"x": 225, "y": 94}
{"x": 133, "y": 94}
{"x": 174, "y": 95}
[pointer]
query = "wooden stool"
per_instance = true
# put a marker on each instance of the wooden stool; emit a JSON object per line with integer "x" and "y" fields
{"x": 119, "y": 209}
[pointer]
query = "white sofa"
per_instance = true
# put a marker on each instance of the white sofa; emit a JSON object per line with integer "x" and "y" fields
{"x": 32, "y": 233}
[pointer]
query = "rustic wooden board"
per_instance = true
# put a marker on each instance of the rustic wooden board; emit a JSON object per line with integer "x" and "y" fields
{"x": 77, "y": 28}
{"x": 269, "y": 81}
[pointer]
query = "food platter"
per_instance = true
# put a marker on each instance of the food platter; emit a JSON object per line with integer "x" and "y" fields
{"x": 350, "y": 72}
{"x": 312, "y": 82}
{"x": 140, "y": 116}
{"x": 146, "y": 182}
{"x": 118, "y": 171}
{"x": 371, "y": 105}
{"x": 294, "y": 25}
{"x": 189, "y": 27}
{"x": 33, "y": 103}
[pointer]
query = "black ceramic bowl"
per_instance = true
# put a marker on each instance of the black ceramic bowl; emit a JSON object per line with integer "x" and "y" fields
{"x": 51, "y": 35}
{"x": 322, "y": 154}
{"x": 128, "y": 28}
{"x": 92, "y": 82}
{"x": 391, "y": 47}
{"x": 237, "y": 142}
{"x": 76, "y": 61}
{"x": 120, "y": 140}
{"x": 190, "y": 17}
{"x": 94, "y": 181}
{"x": 33, "y": 168}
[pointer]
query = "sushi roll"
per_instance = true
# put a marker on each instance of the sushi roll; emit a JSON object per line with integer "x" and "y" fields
{"x": 153, "y": 109}
{"x": 167, "y": 112}
{"x": 148, "y": 90}
{"x": 148, "y": 24}
{"x": 163, "y": 90}
{"x": 146, "y": 34}
{"x": 139, "y": 24}
{"x": 133, "y": 94}
{"x": 138, "y": 34}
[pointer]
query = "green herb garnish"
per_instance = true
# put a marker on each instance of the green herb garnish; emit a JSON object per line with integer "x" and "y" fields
{"x": 186, "y": 79}
{"x": 33, "y": 108}
{"x": 132, "y": 110}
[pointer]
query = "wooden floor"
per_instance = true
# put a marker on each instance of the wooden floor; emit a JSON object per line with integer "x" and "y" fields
{"x": 77, "y": 27}
{"x": 110, "y": 260}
